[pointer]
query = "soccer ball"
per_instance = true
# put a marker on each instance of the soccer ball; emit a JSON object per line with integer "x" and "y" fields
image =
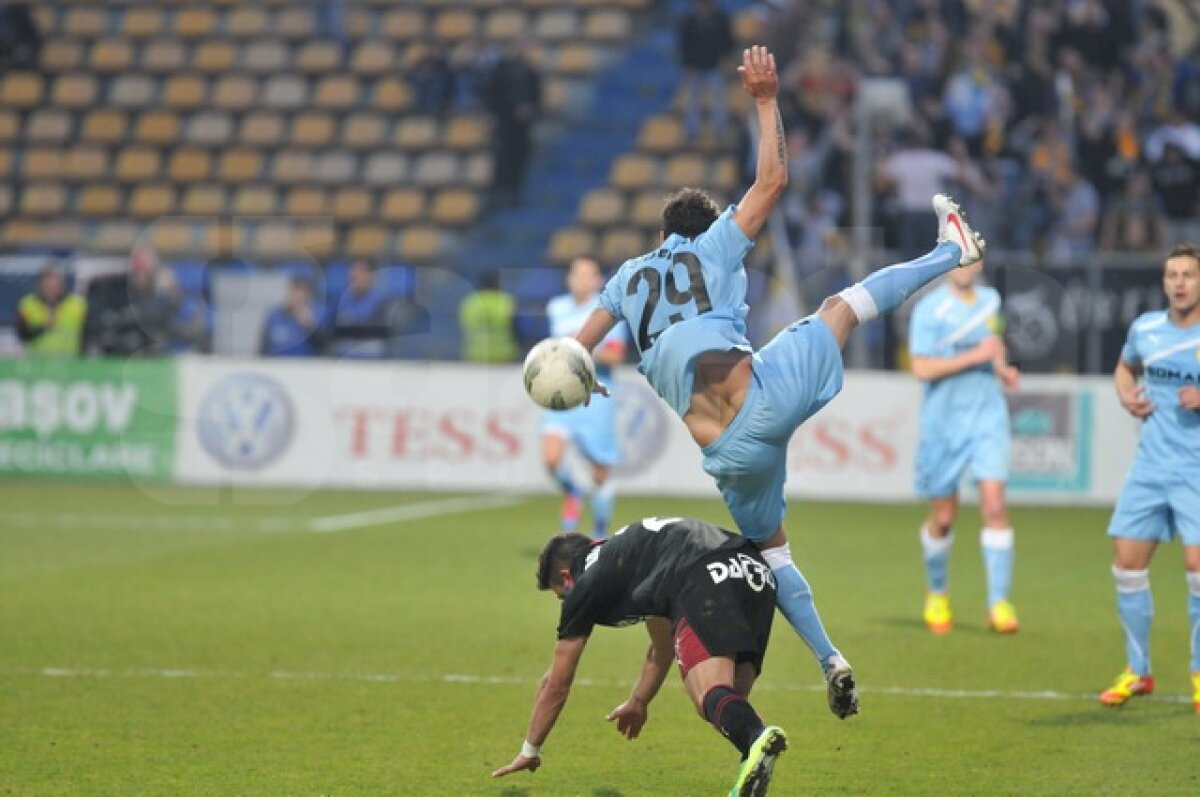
{"x": 559, "y": 373}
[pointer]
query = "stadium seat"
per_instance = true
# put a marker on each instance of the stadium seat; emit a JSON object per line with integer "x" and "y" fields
{"x": 466, "y": 133}
{"x": 63, "y": 233}
{"x": 142, "y": 23}
{"x": 352, "y": 204}
{"x": 619, "y": 245}
{"x": 661, "y": 134}
{"x": 607, "y": 25}
{"x": 111, "y": 56}
{"x": 157, "y": 127}
{"x": 373, "y": 58}
{"x": 570, "y": 243}
{"x": 385, "y": 168}
{"x": 61, "y": 55}
{"x": 152, "y": 201}
{"x": 74, "y": 91}
{"x": 240, "y": 166}
{"x": 189, "y": 165}
{"x": 317, "y": 238}
{"x": 363, "y": 131}
{"x": 602, "y": 208}
{"x": 416, "y": 133}
{"x": 203, "y": 200}
{"x": 6, "y": 200}
{"x": 318, "y": 57}
{"x": 631, "y": 172}
{"x": 420, "y": 243}
{"x": 435, "y": 169}
{"x": 335, "y": 166}
{"x": 275, "y": 239}
{"x": 454, "y": 207}
{"x": 104, "y": 127}
{"x": 131, "y": 91}
{"x": 185, "y": 92}
{"x": 115, "y": 236}
{"x": 163, "y": 56}
{"x": 477, "y": 170}
{"x": 403, "y": 205}
{"x": 311, "y": 129}
{"x": 557, "y": 24}
{"x": 214, "y": 56}
{"x": 687, "y": 169}
{"x": 725, "y": 176}
{"x": 254, "y": 200}
{"x": 85, "y": 22}
{"x": 246, "y": 22}
{"x": 43, "y": 199}
{"x": 171, "y": 236}
{"x": 42, "y": 163}
{"x": 292, "y": 166}
{"x": 336, "y": 92}
{"x": 10, "y": 125}
{"x": 285, "y": 91}
{"x": 224, "y": 238}
{"x": 505, "y": 24}
{"x": 137, "y": 164}
{"x": 455, "y": 25}
{"x": 21, "y": 90}
{"x": 306, "y": 202}
{"x": 48, "y": 126}
{"x": 646, "y": 210}
{"x": 261, "y": 128}
{"x": 266, "y": 56}
{"x": 235, "y": 92}
{"x": 98, "y": 201}
{"x": 294, "y": 24}
{"x": 367, "y": 240}
{"x": 22, "y": 232}
{"x": 403, "y": 24}
{"x": 391, "y": 95}
{"x": 85, "y": 163}
{"x": 194, "y": 23}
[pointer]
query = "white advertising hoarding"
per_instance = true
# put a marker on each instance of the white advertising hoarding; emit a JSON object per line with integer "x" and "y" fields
{"x": 438, "y": 426}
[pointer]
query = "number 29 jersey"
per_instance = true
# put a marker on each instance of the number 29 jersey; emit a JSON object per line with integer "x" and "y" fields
{"x": 683, "y": 299}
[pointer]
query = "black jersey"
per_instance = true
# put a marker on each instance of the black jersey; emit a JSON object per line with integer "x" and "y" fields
{"x": 641, "y": 569}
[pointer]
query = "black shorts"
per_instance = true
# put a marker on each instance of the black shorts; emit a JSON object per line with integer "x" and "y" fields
{"x": 725, "y": 608}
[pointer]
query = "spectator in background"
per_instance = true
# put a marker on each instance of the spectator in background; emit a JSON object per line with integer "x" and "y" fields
{"x": 1076, "y": 207}
{"x": 514, "y": 99}
{"x": 20, "y": 39}
{"x": 1177, "y": 182}
{"x": 1134, "y": 222}
{"x": 130, "y": 313}
{"x": 329, "y": 20}
{"x": 705, "y": 41}
{"x": 970, "y": 102}
{"x": 50, "y": 321}
{"x": 915, "y": 172}
{"x": 487, "y": 318}
{"x": 360, "y": 323}
{"x": 294, "y": 328}
{"x": 433, "y": 81}
{"x": 190, "y": 329}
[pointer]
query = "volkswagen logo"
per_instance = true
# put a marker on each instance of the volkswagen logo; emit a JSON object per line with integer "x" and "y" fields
{"x": 246, "y": 421}
{"x": 641, "y": 420}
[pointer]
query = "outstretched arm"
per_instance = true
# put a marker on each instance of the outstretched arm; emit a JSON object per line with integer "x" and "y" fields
{"x": 552, "y": 695}
{"x": 597, "y": 325}
{"x": 931, "y": 369}
{"x": 1130, "y": 393}
{"x": 771, "y": 174}
{"x": 632, "y": 714}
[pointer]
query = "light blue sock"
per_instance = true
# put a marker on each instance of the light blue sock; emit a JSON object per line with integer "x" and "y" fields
{"x": 888, "y": 288}
{"x": 562, "y": 475}
{"x": 604, "y": 498}
{"x": 1135, "y": 607}
{"x": 795, "y": 600}
{"x": 1194, "y": 615}
{"x": 936, "y": 551}
{"x": 998, "y": 555}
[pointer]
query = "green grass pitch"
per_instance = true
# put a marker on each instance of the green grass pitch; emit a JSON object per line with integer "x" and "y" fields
{"x": 201, "y": 642}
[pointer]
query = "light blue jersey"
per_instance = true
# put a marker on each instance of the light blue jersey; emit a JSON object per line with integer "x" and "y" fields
{"x": 591, "y": 428}
{"x": 683, "y": 299}
{"x": 1161, "y": 496}
{"x": 964, "y": 417}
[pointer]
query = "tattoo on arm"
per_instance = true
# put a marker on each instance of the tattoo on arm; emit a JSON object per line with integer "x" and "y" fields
{"x": 779, "y": 146}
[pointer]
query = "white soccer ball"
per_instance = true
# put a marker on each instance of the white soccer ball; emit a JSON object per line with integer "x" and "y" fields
{"x": 559, "y": 373}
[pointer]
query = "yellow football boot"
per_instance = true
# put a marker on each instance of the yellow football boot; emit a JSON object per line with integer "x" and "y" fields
{"x": 1003, "y": 618}
{"x": 1127, "y": 685}
{"x": 937, "y": 613}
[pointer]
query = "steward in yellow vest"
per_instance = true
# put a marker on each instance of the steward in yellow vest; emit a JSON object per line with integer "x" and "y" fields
{"x": 486, "y": 318}
{"x": 48, "y": 321}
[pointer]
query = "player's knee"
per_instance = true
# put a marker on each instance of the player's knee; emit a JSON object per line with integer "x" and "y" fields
{"x": 941, "y": 522}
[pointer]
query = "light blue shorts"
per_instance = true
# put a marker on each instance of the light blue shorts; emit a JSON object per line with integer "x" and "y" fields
{"x": 944, "y": 457}
{"x": 793, "y": 377}
{"x": 1157, "y": 509}
{"x": 591, "y": 429}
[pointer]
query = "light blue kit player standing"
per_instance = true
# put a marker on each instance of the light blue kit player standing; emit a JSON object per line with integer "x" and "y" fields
{"x": 591, "y": 429}
{"x": 957, "y": 351}
{"x": 1161, "y": 496}
{"x": 685, "y": 305}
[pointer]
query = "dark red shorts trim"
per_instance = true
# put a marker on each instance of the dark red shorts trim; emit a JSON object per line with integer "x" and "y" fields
{"x": 689, "y": 650}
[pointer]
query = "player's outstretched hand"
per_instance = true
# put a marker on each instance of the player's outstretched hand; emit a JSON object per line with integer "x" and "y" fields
{"x": 599, "y": 388}
{"x": 1137, "y": 403}
{"x": 1189, "y": 397}
{"x": 519, "y": 763}
{"x": 758, "y": 73}
{"x": 1010, "y": 377}
{"x": 630, "y": 716}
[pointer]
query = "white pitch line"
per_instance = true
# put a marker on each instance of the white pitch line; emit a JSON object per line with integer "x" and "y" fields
{"x": 403, "y": 512}
{"x": 524, "y": 681}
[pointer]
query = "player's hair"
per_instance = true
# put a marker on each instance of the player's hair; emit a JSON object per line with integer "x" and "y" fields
{"x": 1185, "y": 250}
{"x": 689, "y": 212}
{"x": 558, "y": 553}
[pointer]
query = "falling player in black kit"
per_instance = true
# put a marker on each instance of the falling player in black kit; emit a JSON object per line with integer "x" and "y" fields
{"x": 708, "y": 599}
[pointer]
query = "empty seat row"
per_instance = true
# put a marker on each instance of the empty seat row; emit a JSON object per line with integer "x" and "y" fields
{"x": 633, "y": 172}
{"x": 612, "y": 247}
{"x": 359, "y": 130}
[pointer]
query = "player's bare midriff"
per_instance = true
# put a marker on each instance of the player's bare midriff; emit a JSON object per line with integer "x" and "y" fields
{"x": 719, "y": 388}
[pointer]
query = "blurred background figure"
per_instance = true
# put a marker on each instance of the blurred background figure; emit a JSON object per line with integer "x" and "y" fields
{"x": 487, "y": 318}
{"x": 20, "y": 39}
{"x": 294, "y": 328}
{"x": 49, "y": 320}
{"x": 130, "y": 313}
{"x": 514, "y": 98}
{"x": 705, "y": 41}
{"x": 433, "y": 81}
{"x": 360, "y": 323}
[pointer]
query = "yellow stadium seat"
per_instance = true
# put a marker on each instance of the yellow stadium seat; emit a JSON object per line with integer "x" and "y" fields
{"x": 317, "y": 238}
{"x": 43, "y": 163}
{"x": 363, "y": 131}
{"x": 557, "y": 24}
{"x": 294, "y": 24}
{"x": 607, "y": 25}
{"x": 188, "y": 165}
{"x": 266, "y": 56}
{"x": 214, "y": 56}
{"x": 142, "y": 23}
{"x": 43, "y": 199}
{"x": 747, "y": 27}
{"x": 203, "y": 200}
{"x": 85, "y": 163}
{"x": 21, "y": 90}
{"x": 172, "y": 237}
{"x": 726, "y": 174}
{"x": 185, "y": 92}
{"x": 246, "y": 22}
{"x": 576, "y": 59}
{"x": 85, "y": 22}
{"x": 619, "y": 245}
{"x": 352, "y": 204}
{"x": 276, "y": 239}
{"x": 111, "y": 56}
{"x": 466, "y": 133}
{"x": 157, "y": 127}
{"x": 661, "y": 134}
{"x": 392, "y": 95}
{"x": 240, "y": 166}
{"x": 373, "y": 58}
{"x": 416, "y": 133}
{"x": 454, "y": 207}
{"x": 505, "y": 24}
{"x": 312, "y": 129}
{"x": 235, "y": 92}
{"x": 292, "y": 166}
{"x": 631, "y": 172}
{"x": 601, "y": 207}
{"x": 137, "y": 164}
{"x": 74, "y": 91}
{"x": 152, "y": 201}
{"x": 646, "y": 211}
{"x": 367, "y": 240}
{"x": 64, "y": 233}
{"x": 95, "y": 201}
{"x": 306, "y": 202}
{"x": 420, "y": 243}
{"x": 337, "y": 92}
{"x": 262, "y": 129}
{"x": 194, "y": 23}
{"x": 48, "y": 126}
{"x": 687, "y": 169}
{"x": 455, "y": 25}
{"x": 318, "y": 57}
{"x": 115, "y": 237}
{"x": 61, "y": 55}
{"x": 403, "y": 24}
{"x": 104, "y": 127}
{"x": 570, "y": 243}
{"x": 403, "y": 205}
{"x": 163, "y": 56}
{"x": 224, "y": 238}
{"x": 254, "y": 200}
{"x": 22, "y": 231}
